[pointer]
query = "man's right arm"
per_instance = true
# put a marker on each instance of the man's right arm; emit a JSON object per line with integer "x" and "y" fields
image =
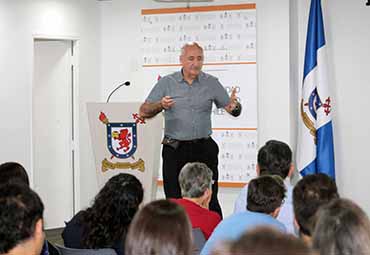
{"x": 149, "y": 110}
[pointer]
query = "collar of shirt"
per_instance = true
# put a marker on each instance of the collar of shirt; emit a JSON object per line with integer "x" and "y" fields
{"x": 179, "y": 76}
{"x": 287, "y": 182}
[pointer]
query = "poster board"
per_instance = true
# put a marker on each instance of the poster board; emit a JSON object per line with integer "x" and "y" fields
{"x": 227, "y": 34}
{"x": 124, "y": 143}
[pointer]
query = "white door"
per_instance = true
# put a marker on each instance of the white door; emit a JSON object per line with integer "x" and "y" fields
{"x": 52, "y": 130}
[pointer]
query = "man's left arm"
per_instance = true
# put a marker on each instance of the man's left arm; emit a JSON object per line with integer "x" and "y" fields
{"x": 234, "y": 107}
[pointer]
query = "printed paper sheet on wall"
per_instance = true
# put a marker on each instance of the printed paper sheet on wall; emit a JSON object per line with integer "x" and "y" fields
{"x": 227, "y": 34}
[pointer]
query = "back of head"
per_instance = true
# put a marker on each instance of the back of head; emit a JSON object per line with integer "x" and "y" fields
{"x": 11, "y": 172}
{"x": 266, "y": 241}
{"x": 159, "y": 228}
{"x": 311, "y": 192}
{"x": 20, "y": 210}
{"x": 195, "y": 179}
{"x": 342, "y": 228}
{"x": 265, "y": 194}
{"x": 275, "y": 158}
{"x": 112, "y": 211}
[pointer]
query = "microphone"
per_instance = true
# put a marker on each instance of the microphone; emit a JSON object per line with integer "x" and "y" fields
{"x": 126, "y": 83}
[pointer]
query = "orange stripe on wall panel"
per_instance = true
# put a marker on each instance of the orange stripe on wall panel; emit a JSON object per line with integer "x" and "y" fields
{"x": 231, "y": 184}
{"x": 162, "y": 65}
{"x": 199, "y": 9}
{"x": 230, "y": 63}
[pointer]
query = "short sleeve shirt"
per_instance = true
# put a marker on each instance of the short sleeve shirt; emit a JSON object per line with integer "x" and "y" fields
{"x": 190, "y": 117}
{"x": 286, "y": 215}
{"x": 200, "y": 217}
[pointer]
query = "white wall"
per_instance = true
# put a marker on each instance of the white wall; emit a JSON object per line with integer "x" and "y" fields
{"x": 121, "y": 53}
{"x": 109, "y": 51}
{"x": 347, "y": 26}
{"x": 20, "y": 20}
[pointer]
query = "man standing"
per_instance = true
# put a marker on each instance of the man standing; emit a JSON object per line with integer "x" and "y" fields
{"x": 186, "y": 97}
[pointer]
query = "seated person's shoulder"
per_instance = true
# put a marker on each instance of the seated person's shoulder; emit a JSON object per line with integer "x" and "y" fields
{"x": 215, "y": 216}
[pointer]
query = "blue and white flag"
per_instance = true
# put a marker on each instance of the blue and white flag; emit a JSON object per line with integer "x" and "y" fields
{"x": 315, "y": 149}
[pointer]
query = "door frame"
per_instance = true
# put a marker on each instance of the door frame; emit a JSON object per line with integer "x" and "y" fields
{"x": 75, "y": 112}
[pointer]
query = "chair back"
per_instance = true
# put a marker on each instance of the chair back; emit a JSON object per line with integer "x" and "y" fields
{"x": 52, "y": 249}
{"x": 71, "y": 251}
{"x": 198, "y": 241}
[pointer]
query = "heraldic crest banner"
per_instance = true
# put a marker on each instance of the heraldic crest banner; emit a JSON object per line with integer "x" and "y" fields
{"x": 123, "y": 142}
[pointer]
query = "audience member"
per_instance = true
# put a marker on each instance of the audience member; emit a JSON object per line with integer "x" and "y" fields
{"x": 310, "y": 193}
{"x": 105, "y": 223}
{"x": 265, "y": 197}
{"x": 274, "y": 158}
{"x": 195, "y": 181}
{"x": 265, "y": 241}
{"x": 342, "y": 228}
{"x": 160, "y": 228}
{"x": 13, "y": 172}
{"x": 21, "y": 224}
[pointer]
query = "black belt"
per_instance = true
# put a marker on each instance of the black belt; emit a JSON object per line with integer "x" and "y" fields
{"x": 200, "y": 140}
{"x": 175, "y": 143}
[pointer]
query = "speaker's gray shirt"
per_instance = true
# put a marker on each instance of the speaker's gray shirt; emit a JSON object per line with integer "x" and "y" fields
{"x": 190, "y": 117}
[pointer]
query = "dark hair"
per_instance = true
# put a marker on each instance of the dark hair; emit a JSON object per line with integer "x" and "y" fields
{"x": 342, "y": 228}
{"x": 107, "y": 220}
{"x": 265, "y": 241}
{"x": 265, "y": 194}
{"x": 20, "y": 209}
{"x": 13, "y": 172}
{"x": 274, "y": 158}
{"x": 160, "y": 228}
{"x": 311, "y": 192}
{"x": 195, "y": 179}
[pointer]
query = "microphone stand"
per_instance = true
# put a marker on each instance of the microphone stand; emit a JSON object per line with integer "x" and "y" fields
{"x": 126, "y": 83}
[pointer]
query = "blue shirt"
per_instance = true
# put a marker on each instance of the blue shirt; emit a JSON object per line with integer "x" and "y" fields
{"x": 286, "y": 215}
{"x": 190, "y": 117}
{"x": 45, "y": 249}
{"x": 234, "y": 226}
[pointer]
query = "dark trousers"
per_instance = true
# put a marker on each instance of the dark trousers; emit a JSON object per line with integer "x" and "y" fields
{"x": 203, "y": 150}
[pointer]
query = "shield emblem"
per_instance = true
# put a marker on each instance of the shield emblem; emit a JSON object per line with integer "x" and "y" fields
{"x": 314, "y": 103}
{"x": 122, "y": 139}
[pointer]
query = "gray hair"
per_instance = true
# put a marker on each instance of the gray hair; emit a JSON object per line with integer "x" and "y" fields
{"x": 190, "y": 44}
{"x": 195, "y": 179}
